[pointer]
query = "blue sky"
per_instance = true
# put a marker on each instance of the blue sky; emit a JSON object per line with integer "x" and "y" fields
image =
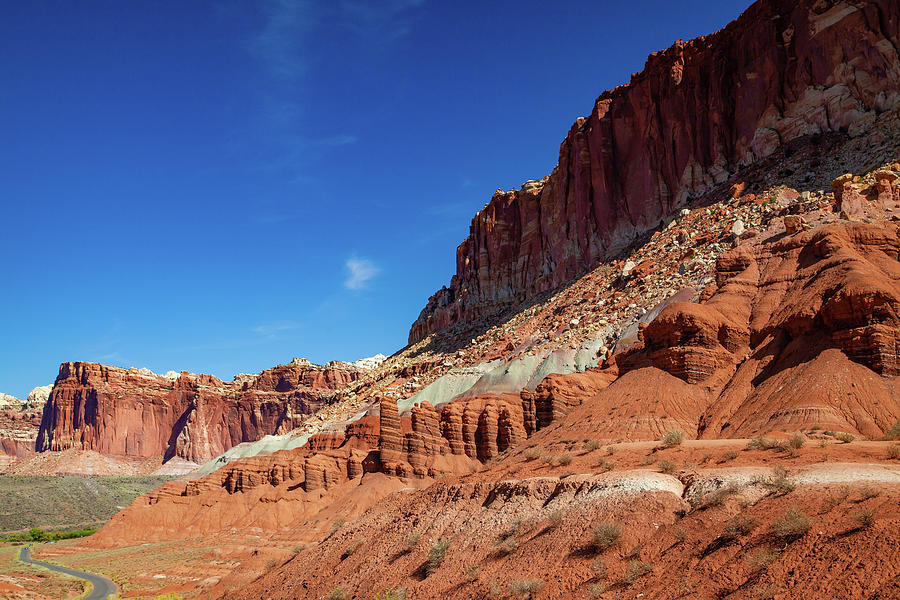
{"x": 220, "y": 186}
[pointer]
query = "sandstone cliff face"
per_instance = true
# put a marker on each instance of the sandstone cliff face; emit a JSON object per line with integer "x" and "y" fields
{"x": 133, "y": 412}
{"x": 696, "y": 114}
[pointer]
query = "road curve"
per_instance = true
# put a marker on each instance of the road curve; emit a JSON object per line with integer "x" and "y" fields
{"x": 103, "y": 587}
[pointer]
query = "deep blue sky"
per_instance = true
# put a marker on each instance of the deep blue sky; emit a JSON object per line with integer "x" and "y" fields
{"x": 221, "y": 186}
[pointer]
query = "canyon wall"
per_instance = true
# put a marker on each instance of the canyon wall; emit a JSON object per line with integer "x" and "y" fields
{"x": 696, "y": 114}
{"x": 137, "y": 413}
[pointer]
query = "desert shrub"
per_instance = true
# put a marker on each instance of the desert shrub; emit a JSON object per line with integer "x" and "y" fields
{"x": 349, "y": 550}
{"x": 729, "y": 456}
{"x": 865, "y": 518}
{"x": 596, "y": 590}
{"x": 672, "y": 438}
{"x": 761, "y": 443}
{"x": 780, "y": 480}
{"x": 680, "y": 535}
{"x": 845, "y": 437}
{"x": 473, "y": 572}
{"x": 548, "y": 459}
{"x": 797, "y": 441}
{"x": 495, "y": 589}
{"x": 636, "y": 569}
{"x": 599, "y": 568}
{"x": 739, "y": 526}
{"x": 833, "y": 501}
{"x": 765, "y": 591}
{"x": 607, "y": 465}
{"x": 894, "y": 432}
{"x": 893, "y": 452}
{"x": 715, "y": 497}
{"x": 868, "y": 492}
{"x": 506, "y": 546}
{"x": 525, "y": 588}
{"x": 397, "y": 594}
{"x": 705, "y": 458}
{"x": 412, "y": 540}
{"x": 605, "y": 536}
{"x": 564, "y": 460}
{"x": 531, "y": 453}
{"x": 762, "y": 557}
{"x": 792, "y": 524}
{"x": 665, "y": 466}
{"x": 436, "y": 555}
{"x": 337, "y": 525}
{"x": 610, "y": 450}
{"x": 556, "y": 517}
{"x": 337, "y": 593}
{"x": 591, "y": 445}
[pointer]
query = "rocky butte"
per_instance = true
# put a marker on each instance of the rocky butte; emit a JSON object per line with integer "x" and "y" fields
{"x": 137, "y": 413}
{"x": 785, "y": 69}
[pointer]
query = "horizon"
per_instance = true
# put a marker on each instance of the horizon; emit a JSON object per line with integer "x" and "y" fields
{"x": 218, "y": 188}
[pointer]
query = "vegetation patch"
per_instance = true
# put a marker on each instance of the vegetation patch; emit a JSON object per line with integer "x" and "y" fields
{"x": 54, "y": 502}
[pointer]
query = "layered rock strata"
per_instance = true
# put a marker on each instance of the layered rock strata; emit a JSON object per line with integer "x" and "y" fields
{"x": 137, "y": 413}
{"x": 796, "y": 332}
{"x": 698, "y": 113}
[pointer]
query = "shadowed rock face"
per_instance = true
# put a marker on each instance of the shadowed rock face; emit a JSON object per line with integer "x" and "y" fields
{"x": 697, "y": 113}
{"x": 132, "y": 412}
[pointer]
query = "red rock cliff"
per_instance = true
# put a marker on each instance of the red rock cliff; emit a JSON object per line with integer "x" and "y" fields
{"x": 696, "y": 114}
{"x": 133, "y": 412}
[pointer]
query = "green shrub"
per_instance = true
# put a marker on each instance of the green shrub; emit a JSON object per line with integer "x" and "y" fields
{"x": 605, "y": 536}
{"x": 792, "y": 524}
{"x": 672, "y": 438}
{"x": 636, "y": 569}
{"x": 591, "y": 445}
{"x": 865, "y": 518}
{"x": 797, "y": 441}
{"x": 351, "y": 549}
{"x": 525, "y": 588}
{"x": 666, "y": 466}
{"x": 412, "y": 540}
{"x": 599, "y": 568}
{"x": 397, "y": 594}
{"x": 556, "y": 517}
{"x": 337, "y": 593}
{"x": 894, "y": 432}
{"x": 893, "y": 451}
{"x": 739, "y": 526}
{"x": 564, "y": 460}
{"x": 845, "y": 437}
{"x": 762, "y": 557}
{"x": 531, "y": 453}
{"x": 436, "y": 555}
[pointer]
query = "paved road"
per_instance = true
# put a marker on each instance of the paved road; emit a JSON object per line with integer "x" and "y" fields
{"x": 103, "y": 587}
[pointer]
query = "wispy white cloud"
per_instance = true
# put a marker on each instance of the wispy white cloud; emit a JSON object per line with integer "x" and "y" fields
{"x": 278, "y": 43}
{"x": 360, "y": 272}
{"x": 274, "y": 330}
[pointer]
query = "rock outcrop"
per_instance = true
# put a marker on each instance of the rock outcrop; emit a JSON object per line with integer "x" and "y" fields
{"x": 696, "y": 114}
{"x": 8, "y": 402}
{"x": 796, "y": 332}
{"x": 38, "y": 397}
{"x": 136, "y": 413}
